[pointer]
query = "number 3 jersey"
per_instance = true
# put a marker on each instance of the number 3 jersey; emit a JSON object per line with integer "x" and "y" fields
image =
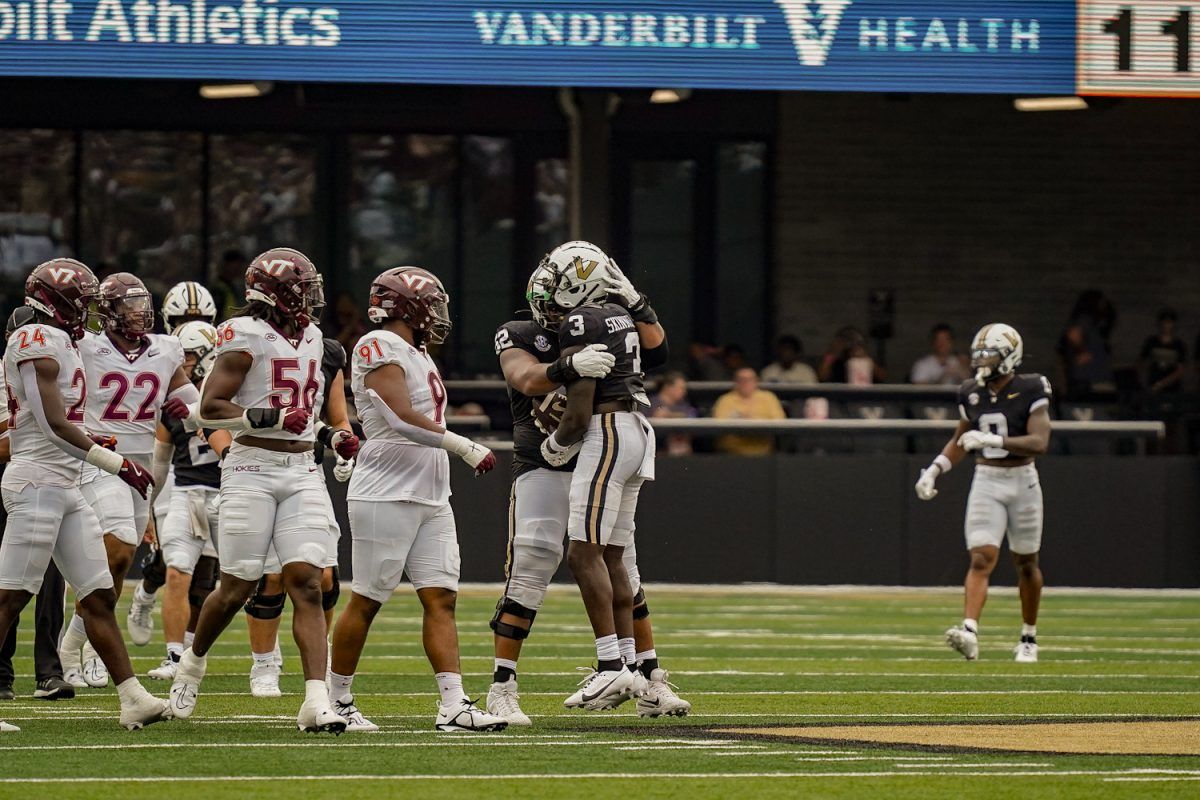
{"x": 283, "y": 374}
{"x": 390, "y": 466}
{"x": 1007, "y": 412}
{"x": 35, "y": 459}
{"x": 610, "y": 325}
{"x": 125, "y": 392}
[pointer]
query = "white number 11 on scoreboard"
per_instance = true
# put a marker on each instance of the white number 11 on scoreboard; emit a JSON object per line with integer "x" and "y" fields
{"x": 1138, "y": 48}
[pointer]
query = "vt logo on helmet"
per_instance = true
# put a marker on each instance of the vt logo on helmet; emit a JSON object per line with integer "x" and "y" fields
{"x": 286, "y": 280}
{"x": 63, "y": 290}
{"x": 415, "y": 296}
{"x": 570, "y": 275}
{"x": 125, "y": 306}
{"x": 996, "y": 351}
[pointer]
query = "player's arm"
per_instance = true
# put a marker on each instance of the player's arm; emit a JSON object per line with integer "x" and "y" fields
{"x": 219, "y": 412}
{"x": 388, "y": 389}
{"x": 1036, "y": 442}
{"x": 653, "y": 338}
{"x": 561, "y": 446}
{"x": 161, "y": 462}
{"x": 951, "y": 455}
{"x": 523, "y": 372}
{"x": 334, "y": 431}
{"x": 183, "y": 398}
{"x": 219, "y": 441}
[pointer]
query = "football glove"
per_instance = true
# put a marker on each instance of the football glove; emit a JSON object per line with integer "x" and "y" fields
{"x": 136, "y": 476}
{"x": 103, "y": 440}
{"x": 593, "y": 361}
{"x": 176, "y": 408}
{"x": 617, "y": 284}
{"x": 557, "y": 455}
{"x": 978, "y": 440}
{"x": 345, "y": 444}
{"x": 292, "y": 420}
{"x": 925, "y": 487}
{"x": 478, "y": 457}
{"x": 343, "y": 469}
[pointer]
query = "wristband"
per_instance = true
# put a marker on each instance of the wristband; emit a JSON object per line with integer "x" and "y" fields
{"x": 942, "y": 463}
{"x": 459, "y": 445}
{"x": 325, "y": 435}
{"x": 642, "y": 312}
{"x": 562, "y": 372}
{"x": 106, "y": 460}
{"x": 263, "y": 418}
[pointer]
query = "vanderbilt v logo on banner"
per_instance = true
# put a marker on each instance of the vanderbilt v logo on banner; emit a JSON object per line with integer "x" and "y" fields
{"x": 813, "y": 26}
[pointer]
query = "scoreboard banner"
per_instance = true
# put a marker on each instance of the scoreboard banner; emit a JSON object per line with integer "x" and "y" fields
{"x": 1139, "y": 48}
{"x": 1010, "y": 46}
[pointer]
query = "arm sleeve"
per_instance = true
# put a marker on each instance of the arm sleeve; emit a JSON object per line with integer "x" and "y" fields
{"x": 160, "y": 465}
{"x": 656, "y": 358}
{"x": 34, "y": 398}
{"x": 413, "y": 433}
{"x": 962, "y": 402}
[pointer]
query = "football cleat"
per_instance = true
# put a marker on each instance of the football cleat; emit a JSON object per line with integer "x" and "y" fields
{"x": 315, "y": 718}
{"x": 146, "y": 710}
{"x": 660, "y": 700}
{"x": 264, "y": 681}
{"x": 53, "y": 688}
{"x": 140, "y": 622}
{"x": 504, "y": 702}
{"x": 600, "y": 690}
{"x": 6, "y": 693}
{"x": 72, "y": 668}
{"x": 164, "y": 671}
{"x": 7, "y": 728}
{"x": 466, "y": 716}
{"x": 1026, "y": 653}
{"x": 964, "y": 641}
{"x": 186, "y": 688}
{"x": 355, "y": 721}
{"x": 94, "y": 671}
{"x": 637, "y": 688}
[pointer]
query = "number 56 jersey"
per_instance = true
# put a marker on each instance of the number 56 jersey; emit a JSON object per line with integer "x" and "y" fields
{"x": 390, "y": 466}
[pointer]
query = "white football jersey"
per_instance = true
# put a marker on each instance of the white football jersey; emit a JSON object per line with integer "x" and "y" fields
{"x": 36, "y": 459}
{"x": 125, "y": 392}
{"x": 282, "y": 375}
{"x": 391, "y": 467}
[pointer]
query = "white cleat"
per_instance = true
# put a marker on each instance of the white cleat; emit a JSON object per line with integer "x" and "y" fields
{"x": 72, "y": 668}
{"x": 144, "y": 711}
{"x": 355, "y": 721}
{"x": 637, "y": 688}
{"x": 660, "y": 700}
{"x": 7, "y": 728}
{"x": 466, "y": 716}
{"x": 186, "y": 687}
{"x": 601, "y": 691}
{"x": 1026, "y": 653}
{"x": 94, "y": 671}
{"x": 504, "y": 702}
{"x": 964, "y": 641}
{"x": 264, "y": 681}
{"x": 315, "y": 718}
{"x": 164, "y": 671}
{"x": 140, "y": 623}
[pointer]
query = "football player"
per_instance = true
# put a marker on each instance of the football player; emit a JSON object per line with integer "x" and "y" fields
{"x": 47, "y": 514}
{"x": 190, "y": 526}
{"x": 604, "y": 425}
{"x": 132, "y": 373}
{"x": 400, "y": 515}
{"x": 540, "y": 504}
{"x": 186, "y": 301}
{"x": 262, "y": 389}
{"x": 1005, "y": 422}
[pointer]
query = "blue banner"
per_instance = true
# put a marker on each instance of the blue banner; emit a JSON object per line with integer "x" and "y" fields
{"x": 847, "y": 45}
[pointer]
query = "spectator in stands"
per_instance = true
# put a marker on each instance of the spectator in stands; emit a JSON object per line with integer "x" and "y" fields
{"x": 944, "y": 365}
{"x": 1084, "y": 360}
{"x": 1094, "y": 309}
{"x": 228, "y": 287}
{"x": 788, "y": 366}
{"x": 747, "y": 401}
{"x": 1163, "y": 356}
{"x": 709, "y": 363}
{"x": 671, "y": 402}
{"x": 847, "y": 360}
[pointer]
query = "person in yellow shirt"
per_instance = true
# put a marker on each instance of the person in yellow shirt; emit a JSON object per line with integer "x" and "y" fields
{"x": 747, "y": 401}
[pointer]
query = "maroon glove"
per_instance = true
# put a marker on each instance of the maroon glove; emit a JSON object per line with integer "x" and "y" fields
{"x": 107, "y": 442}
{"x": 175, "y": 408}
{"x": 345, "y": 443}
{"x": 295, "y": 420}
{"x": 487, "y": 465}
{"x": 136, "y": 476}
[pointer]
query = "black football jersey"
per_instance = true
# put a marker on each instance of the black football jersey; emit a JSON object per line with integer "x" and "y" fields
{"x": 333, "y": 358}
{"x": 610, "y": 325}
{"x": 527, "y": 335}
{"x": 195, "y": 462}
{"x": 1006, "y": 413}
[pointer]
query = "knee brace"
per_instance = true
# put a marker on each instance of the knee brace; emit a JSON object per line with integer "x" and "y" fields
{"x": 640, "y": 609}
{"x": 154, "y": 571}
{"x": 204, "y": 580}
{"x": 265, "y": 606}
{"x": 508, "y": 631}
{"x": 329, "y": 599}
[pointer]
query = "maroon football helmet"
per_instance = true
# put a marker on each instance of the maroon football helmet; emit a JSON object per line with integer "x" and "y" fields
{"x": 286, "y": 280}
{"x": 125, "y": 306}
{"x": 415, "y": 296}
{"x": 63, "y": 290}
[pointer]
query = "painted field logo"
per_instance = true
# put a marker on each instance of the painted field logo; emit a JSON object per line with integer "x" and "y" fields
{"x": 813, "y": 26}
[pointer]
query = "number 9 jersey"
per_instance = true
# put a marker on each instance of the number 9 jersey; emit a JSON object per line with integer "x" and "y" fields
{"x": 1006, "y": 412}
{"x": 284, "y": 374}
{"x": 389, "y": 466}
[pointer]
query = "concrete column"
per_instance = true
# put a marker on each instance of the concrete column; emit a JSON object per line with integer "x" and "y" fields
{"x": 589, "y": 112}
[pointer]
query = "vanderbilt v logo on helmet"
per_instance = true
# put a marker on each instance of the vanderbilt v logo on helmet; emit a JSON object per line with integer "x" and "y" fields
{"x": 997, "y": 351}
{"x": 569, "y": 276}
{"x": 583, "y": 270}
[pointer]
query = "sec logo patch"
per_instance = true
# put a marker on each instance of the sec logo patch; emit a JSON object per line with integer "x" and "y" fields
{"x": 973, "y": 398}
{"x": 541, "y": 343}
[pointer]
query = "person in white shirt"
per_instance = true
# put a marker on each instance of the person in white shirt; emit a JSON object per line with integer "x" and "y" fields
{"x": 787, "y": 366}
{"x": 943, "y": 366}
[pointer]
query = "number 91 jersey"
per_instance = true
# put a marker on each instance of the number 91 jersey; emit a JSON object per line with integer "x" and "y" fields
{"x": 284, "y": 373}
{"x": 125, "y": 392}
{"x": 1006, "y": 412}
{"x": 390, "y": 466}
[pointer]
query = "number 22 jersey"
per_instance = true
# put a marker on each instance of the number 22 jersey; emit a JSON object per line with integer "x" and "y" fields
{"x": 391, "y": 467}
{"x": 125, "y": 392}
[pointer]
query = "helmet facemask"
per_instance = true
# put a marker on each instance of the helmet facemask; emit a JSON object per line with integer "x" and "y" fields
{"x": 543, "y": 286}
{"x": 131, "y": 316}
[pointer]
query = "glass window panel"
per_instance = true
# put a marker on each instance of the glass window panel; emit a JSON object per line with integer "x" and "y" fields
{"x": 486, "y": 297}
{"x": 741, "y": 246}
{"x": 662, "y": 249}
{"x": 552, "y": 188}
{"x": 141, "y": 205}
{"x": 37, "y": 180}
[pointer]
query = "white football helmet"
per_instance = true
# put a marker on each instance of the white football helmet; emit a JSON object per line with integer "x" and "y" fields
{"x": 996, "y": 350}
{"x": 199, "y": 338}
{"x": 187, "y": 299}
{"x": 570, "y": 275}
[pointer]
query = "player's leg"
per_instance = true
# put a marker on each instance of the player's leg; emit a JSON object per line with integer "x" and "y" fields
{"x": 180, "y": 549}
{"x": 658, "y": 697}
{"x": 264, "y": 613}
{"x": 1025, "y": 542}
{"x": 140, "y": 620}
{"x": 331, "y": 591}
{"x": 984, "y": 527}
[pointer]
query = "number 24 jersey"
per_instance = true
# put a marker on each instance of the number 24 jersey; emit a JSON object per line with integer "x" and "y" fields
{"x": 391, "y": 467}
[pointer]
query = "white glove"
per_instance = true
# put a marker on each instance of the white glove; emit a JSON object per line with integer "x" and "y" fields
{"x": 593, "y": 361}
{"x": 925, "y": 488}
{"x": 977, "y": 440}
{"x": 343, "y": 469}
{"x": 616, "y": 283}
{"x": 557, "y": 455}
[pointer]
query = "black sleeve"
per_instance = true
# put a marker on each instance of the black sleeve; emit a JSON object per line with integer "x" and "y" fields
{"x": 656, "y": 358}
{"x": 334, "y": 356}
{"x": 514, "y": 334}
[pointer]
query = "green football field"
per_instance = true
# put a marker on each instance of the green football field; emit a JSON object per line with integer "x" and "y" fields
{"x": 860, "y": 663}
